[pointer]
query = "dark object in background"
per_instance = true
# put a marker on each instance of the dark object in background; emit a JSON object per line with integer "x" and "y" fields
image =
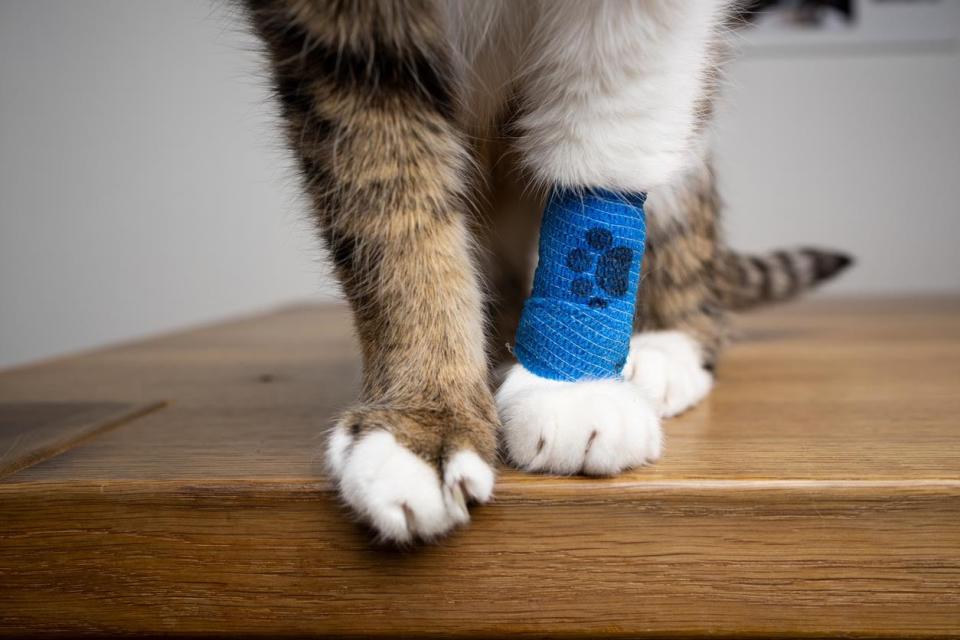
{"x": 801, "y": 13}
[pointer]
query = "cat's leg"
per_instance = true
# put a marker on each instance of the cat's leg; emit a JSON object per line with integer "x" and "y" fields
{"x": 508, "y": 241}
{"x": 609, "y": 101}
{"x": 691, "y": 280}
{"x": 680, "y": 325}
{"x": 368, "y": 95}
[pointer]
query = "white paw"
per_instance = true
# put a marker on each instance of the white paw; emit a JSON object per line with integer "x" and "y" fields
{"x": 398, "y": 493}
{"x": 667, "y": 367}
{"x": 596, "y": 427}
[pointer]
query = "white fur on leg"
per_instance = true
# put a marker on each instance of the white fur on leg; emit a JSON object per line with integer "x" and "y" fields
{"x": 668, "y": 368}
{"x": 398, "y": 493}
{"x": 597, "y": 427}
{"x": 610, "y": 90}
{"x": 338, "y": 446}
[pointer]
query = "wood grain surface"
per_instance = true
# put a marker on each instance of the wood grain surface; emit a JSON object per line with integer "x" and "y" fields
{"x": 31, "y": 432}
{"x": 815, "y": 493}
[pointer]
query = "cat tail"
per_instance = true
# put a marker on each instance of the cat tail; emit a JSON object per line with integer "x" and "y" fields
{"x": 744, "y": 281}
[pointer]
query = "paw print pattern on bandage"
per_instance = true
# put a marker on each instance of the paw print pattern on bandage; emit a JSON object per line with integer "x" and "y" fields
{"x": 611, "y": 270}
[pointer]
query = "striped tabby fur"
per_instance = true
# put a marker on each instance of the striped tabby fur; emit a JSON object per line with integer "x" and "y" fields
{"x": 368, "y": 96}
{"x": 421, "y": 213}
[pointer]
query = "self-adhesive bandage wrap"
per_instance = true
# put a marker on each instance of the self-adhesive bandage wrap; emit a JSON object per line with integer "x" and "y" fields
{"x": 577, "y": 322}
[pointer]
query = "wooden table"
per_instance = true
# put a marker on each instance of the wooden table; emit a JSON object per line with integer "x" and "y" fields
{"x": 173, "y": 486}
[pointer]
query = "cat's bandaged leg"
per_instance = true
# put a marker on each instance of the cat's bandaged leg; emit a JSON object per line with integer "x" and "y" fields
{"x": 577, "y": 323}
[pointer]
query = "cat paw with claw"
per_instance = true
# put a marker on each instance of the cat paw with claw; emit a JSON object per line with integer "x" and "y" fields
{"x": 666, "y": 366}
{"x": 400, "y": 495}
{"x": 594, "y": 427}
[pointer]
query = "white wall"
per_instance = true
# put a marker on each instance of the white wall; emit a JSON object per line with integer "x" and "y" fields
{"x": 142, "y": 188}
{"x": 858, "y": 150}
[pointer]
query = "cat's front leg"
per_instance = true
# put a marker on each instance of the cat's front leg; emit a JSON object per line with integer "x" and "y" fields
{"x": 372, "y": 121}
{"x": 565, "y": 406}
{"x": 609, "y": 105}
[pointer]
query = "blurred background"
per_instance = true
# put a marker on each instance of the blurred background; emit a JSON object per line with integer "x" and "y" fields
{"x": 143, "y": 188}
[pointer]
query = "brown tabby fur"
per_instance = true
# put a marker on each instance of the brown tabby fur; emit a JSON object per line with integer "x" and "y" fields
{"x": 369, "y": 101}
{"x": 369, "y": 98}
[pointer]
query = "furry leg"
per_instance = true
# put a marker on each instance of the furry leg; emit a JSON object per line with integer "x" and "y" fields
{"x": 611, "y": 90}
{"x": 609, "y": 102}
{"x": 372, "y": 119}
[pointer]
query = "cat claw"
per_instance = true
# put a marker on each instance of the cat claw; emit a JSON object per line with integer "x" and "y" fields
{"x": 401, "y": 496}
{"x": 594, "y": 427}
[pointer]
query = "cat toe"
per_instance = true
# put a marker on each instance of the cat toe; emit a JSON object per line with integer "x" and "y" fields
{"x": 466, "y": 478}
{"x": 401, "y": 496}
{"x": 596, "y": 427}
{"x": 666, "y": 366}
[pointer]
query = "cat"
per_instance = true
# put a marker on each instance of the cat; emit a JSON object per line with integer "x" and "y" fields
{"x": 428, "y": 133}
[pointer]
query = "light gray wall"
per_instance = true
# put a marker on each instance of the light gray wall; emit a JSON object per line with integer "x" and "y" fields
{"x": 142, "y": 188}
{"x": 858, "y": 150}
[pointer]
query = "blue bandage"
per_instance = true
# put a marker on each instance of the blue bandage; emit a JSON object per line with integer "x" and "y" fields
{"x": 577, "y": 323}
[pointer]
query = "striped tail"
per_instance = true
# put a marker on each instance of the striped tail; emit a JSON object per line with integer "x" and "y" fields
{"x": 747, "y": 281}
